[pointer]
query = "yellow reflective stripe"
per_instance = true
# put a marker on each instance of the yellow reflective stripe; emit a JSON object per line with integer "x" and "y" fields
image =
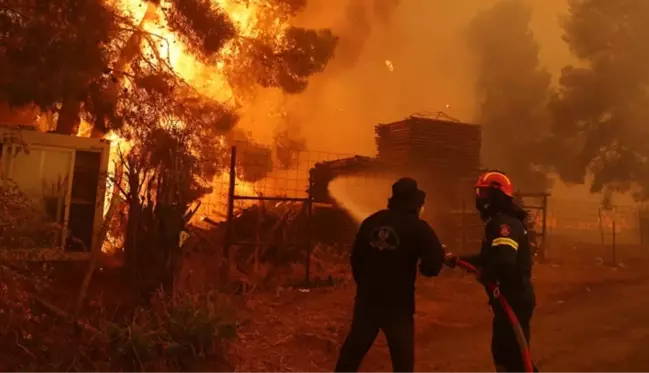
{"x": 505, "y": 241}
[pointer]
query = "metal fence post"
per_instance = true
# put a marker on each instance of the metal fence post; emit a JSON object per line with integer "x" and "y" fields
{"x": 640, "y": 226}
{"x": 230, "y": 216}
{"x": 544, "y": 229}
{"x": 463, "y": 228}
{"x": 601, "y": 225}
{"x": 614, "y": 246}
{"x": 307, "y": 275}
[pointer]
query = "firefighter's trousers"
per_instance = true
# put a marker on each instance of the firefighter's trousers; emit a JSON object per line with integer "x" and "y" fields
{"x": 504, "y": 345}
{"x": 398, "y": 328}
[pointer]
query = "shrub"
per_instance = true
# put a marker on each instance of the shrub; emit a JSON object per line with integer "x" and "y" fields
{"x": 22, "y": 224}
{"x": 183, "y": 333}
{"x": 177, "y": 333}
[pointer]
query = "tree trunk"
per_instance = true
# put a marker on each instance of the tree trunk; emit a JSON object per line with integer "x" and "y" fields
{"x": 170, "y": 224}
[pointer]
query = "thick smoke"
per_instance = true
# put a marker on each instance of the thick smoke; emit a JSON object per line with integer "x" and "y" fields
{"x": 392, "y": 59}
{"x": 361, "y": 17}
{"x": 512, "y": 90}
{"x": 601, "y": 110}
{"x": 285, "y": 119}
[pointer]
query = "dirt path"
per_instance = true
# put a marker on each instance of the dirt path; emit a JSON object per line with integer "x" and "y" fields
{"x": 589, "y": 319}
{"x": 606, "y": 329}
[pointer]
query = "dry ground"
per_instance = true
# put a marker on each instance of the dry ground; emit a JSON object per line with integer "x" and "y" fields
{"x": 591, "y": 316}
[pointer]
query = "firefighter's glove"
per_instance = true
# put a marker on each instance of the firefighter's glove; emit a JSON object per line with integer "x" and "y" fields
{"x": 450, "y": 260}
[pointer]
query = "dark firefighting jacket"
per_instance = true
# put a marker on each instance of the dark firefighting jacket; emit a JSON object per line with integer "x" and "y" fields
{"x": 506, "y": 258}
{"x": 388, "y": 246}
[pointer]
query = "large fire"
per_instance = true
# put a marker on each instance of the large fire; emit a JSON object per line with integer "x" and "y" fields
{"x": 208, "y": 80}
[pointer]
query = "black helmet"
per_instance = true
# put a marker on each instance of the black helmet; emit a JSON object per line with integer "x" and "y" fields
{"x": 406, "y": 195}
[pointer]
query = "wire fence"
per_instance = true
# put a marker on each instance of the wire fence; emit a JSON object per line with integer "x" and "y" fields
{"x": 278, "y": 202}
{"x": 260, "y": 172}
{"x": 588, "y": 222}
{"x": 564, "y": 224}
{"x": 265, "y": 197}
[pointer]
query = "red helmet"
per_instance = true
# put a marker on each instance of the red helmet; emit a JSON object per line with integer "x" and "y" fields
{"x": 496, "y": 180}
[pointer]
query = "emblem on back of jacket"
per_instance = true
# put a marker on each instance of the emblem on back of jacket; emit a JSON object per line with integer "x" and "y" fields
{"x": 384, "y": 238}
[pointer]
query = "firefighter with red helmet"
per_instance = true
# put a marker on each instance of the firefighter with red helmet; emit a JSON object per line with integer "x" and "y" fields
{"x": 506, "y": 260}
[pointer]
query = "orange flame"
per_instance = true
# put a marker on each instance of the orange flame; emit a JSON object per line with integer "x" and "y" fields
{"x": 209, "y": 80}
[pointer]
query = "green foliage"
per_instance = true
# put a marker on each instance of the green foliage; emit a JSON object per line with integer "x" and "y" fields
{"x": 178, "y": 333}
{"x": 602, "y": 108}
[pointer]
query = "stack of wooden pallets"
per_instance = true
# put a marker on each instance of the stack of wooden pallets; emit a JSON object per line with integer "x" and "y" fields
{"x": 444, "y": 156}
{"x": 435, "y": 143}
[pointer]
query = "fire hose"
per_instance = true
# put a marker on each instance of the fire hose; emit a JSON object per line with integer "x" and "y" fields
{"x": 511, "y": 316}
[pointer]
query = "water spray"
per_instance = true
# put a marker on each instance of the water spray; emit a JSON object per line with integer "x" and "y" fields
{"x": 360, "y": 196}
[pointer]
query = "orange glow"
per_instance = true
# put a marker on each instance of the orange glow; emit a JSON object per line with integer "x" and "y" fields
{"x": 208, "y": 80}
{"x": 85, "y": 129}
{"x": 118, "y": 147}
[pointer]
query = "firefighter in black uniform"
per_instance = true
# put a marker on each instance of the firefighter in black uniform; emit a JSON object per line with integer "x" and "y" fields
{"x": 505, "y": 259}
{"x": 388, "y": 246}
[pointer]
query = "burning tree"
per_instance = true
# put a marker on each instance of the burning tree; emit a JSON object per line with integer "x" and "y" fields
{"x": 513, "y": 88}
{"x": 602, "y": 108}
{"x": 57, "y": 54}
{"x": 138, "y": 68}
{"x": 166, "y": 170}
